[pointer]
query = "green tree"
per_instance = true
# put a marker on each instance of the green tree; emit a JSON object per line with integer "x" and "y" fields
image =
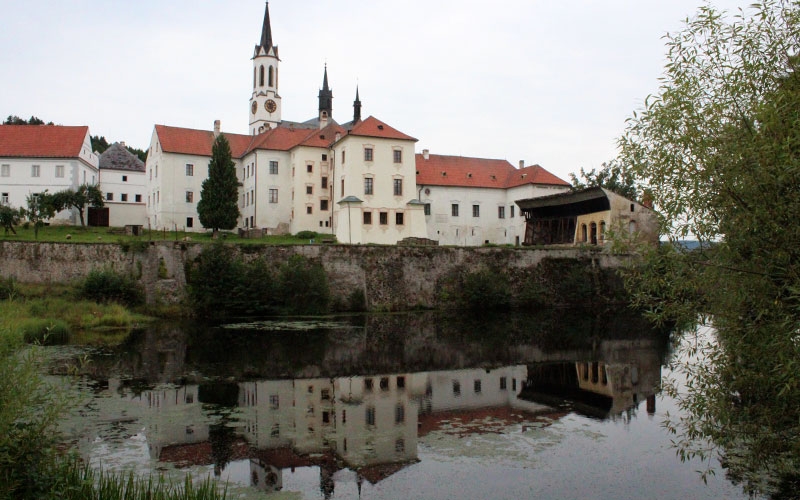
{"x": 16, "y": 120}
{"x": 612, "y": 176}
{"x": 9, "y": 217}
{"x": 86, "y": 194}
{"x": 39, "y": 209}
{"x": 218, "y": 207}
{"x": 719, "y": 149}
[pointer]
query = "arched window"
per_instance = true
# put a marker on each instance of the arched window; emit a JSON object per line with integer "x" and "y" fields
{"x": 270, "y": 76}
{"x": 254, "y": 78}
{"x": 593, "y": 233}
{"x": 583, "y": 233}
{"x": 632, "y": 227}
{"x": 602, "y": 231}
{"x": 276, "y": 78}
{"x": 595, "y": 372}
{"x": 261, "y": 76}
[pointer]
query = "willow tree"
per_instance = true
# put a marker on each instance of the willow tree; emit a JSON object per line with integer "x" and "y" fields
{"x": 218, "y": 207}
{"x": 718, "y": 147}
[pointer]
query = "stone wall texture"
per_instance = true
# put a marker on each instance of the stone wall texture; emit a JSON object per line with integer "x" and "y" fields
{"x": 392, "y": 277}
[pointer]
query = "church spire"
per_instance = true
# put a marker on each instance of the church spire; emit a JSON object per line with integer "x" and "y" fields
{"x": 266, "y": 32}
{"x": 325, "y": 98}
{"x": 356, "y": 108}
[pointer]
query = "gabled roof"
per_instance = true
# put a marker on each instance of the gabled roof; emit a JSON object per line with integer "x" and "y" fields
{"x": 198, "y": 142}
{"x": 41, "y": 141}
{"x": 372, "y": 127}
{"x": 117, "y": 157}
{"x": 461, "y": 171}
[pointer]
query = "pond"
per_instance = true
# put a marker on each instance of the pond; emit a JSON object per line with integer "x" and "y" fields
{"x": 563, "y": 404}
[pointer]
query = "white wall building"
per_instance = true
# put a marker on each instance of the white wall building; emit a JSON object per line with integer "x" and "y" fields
{"x": 470, "y": 201}
{"x": 122, "y": 181}
{"x": 37, "y": 158}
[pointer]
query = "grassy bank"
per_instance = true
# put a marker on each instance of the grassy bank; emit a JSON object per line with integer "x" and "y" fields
{"x": 77, "y": 234}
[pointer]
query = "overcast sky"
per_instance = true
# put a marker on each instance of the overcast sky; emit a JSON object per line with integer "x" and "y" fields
{"x": 548, "y": 82}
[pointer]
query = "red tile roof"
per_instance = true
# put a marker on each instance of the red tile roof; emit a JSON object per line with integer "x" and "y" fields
{"x": 372, "y": 127}
{"x": 198, "y": 142}
{"x": 41, "y": 141}
{"x": 442, "y": 170}
{"x": 323, "y": 138}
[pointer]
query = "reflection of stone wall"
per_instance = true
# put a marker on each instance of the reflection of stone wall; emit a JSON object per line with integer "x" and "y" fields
{"x": 393, "y": 278}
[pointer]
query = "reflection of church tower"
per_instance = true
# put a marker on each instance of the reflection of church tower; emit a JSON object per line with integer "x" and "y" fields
{"x": 265, "y": 103}
{"x": 325, "y": 101}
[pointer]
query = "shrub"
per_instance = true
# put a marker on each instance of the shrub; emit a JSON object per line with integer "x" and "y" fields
{"x": 304, "y": 286}
{"x": 8, "y": 288}
{"x": 357, "y": 301}
{"x": 108, "y": 286}
{"x": 306, "y": 235}
{"x": 485, "y": 289}
{"x": 45, "y": 331}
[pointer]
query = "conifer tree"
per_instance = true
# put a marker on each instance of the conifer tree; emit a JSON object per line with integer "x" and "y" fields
{"x": 218, "y": 206}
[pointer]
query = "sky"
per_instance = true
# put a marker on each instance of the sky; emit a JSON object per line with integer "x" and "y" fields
{"x": 548, "y": 82}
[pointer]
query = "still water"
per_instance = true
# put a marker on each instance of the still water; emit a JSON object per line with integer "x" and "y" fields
{"x": 565, "y": 404}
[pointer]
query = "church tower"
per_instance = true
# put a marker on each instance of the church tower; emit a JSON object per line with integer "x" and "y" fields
{"x": 325, "y": 100}
{"x": 265, "y": 103}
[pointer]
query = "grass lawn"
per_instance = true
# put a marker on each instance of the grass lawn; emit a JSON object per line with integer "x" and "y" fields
{"x": 77, "y": 234}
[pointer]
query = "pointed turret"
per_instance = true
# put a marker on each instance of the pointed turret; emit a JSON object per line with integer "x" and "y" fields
{"x": 325, "y": 98}
{"x": 356, "y": 108}
{"x": 265, "y": 102}
{"x": 265, "y": 43}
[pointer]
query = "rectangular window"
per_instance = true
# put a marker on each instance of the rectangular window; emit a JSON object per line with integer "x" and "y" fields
{"x": 59, "y": 170}
{"x": 4, "y": 199}
{"x": 399, "y": 414}
{"x": 368, "y": 384}
{"x": 384, "y": 218}
{"x": 124, "y": 178}
{"x": 189, "y": 222}
{"x": 427, "y": 209}
{"x": 368, "y": 185}
{"x": 503, "y": 384}
{"x": 324, "y": 157}
{"x": 273, "y": 167}
{"x": 398, "y": 156}
{"x": 138, "y": 198}
{"x": 189, "y": 196}
{"x": 189, "y": 170}
{"x": 309, "y": 189}
{"x": 398, "y": 187}
{"x": 511, "y": 211}
{"x": 273, "y": 196}
{"x": 309, "y": 209}
{"x": 325, "y": 394}
{"x": 501, "y": 212}
{"x": 367, "y": 217}
{"x": 343, "y": 157}
{"x": 34, "y": 170}
{"x": 109, "y": 196}
{"x": 324, "y": 183}
{"x": 454, "y": 209}
{"x": 476, "y": 210}
{"x": 323, "y": 205}
{"x": 123, "y": 197}
{"x": 5, "y": 170}
{"x": 370, "y": 415}
{"x": 274, "y": 401}
{"x": 398, "y": 218}
{"x": 367, "y": 154}
{"x": 309, "y": 168}
{"x": 456, "y": 388}
{"x": 477, "y": 387}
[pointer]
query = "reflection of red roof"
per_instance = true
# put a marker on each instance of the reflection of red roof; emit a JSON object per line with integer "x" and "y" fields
{"x": 493, "y": 420}
{"x": 372, "y": 127}
{"x": 187, "y": 455}
{"x": 442, "y": 170}
{"x": 379, "y": 472}
{"x": 41, "y": 141}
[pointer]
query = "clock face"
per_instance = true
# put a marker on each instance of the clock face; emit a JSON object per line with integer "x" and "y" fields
{"x": 270, "y": 105}
{"x": 254, "y": 107}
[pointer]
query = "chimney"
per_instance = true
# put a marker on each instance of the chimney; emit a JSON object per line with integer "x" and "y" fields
{"x": 122, "y": 143}
{"x": 522, "y": 164}
{"x": 216, "y": 128}
{"x": 425, "y": 154}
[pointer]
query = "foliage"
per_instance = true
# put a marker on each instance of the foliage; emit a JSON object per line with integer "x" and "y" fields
{"x": 485, "y": 289}
{"x": 16, "y": 120}
{"x": 86, "y": 194}
{"x": 304, "y": 286}
{"x": 45, "y": 331}
{"x": 306, "y": 235}
{"x": 218, "y": 207}
{"x": 613, "y": 176}
{"x": 8, "y": 288}
{"x": 719, "y": 149}
{"x": 106, "y": 285}
{"x": 9, "y": 217}
{"x": 40, "y": 208}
